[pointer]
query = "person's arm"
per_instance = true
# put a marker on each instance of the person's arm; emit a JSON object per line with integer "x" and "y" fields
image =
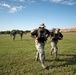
{"x": 51, "y": 36}
{"x": 61, "y": 36}
{"x": 48, "y": 33}
{"x": 33, "y": 35}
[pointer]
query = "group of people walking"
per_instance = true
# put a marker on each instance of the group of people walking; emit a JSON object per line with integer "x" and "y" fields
{"x": 40, "y": 35}
{"x": 13, "y": 34}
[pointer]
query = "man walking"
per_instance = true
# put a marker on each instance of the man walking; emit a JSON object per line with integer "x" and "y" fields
{"x": 21, "y": 34}
{"x": 40, "y": 35}
{"x": 13, "y": 33}
{"x": 54, "y": 37}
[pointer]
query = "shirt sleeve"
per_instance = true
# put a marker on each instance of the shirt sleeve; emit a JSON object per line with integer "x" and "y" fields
{"x": 47, "y": 32}
{"x": 61, "y": 35}
{"x": 34, "y": 33}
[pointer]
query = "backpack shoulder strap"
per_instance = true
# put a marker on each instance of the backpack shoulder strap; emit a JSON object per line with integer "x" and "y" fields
{"x": 39, "y": 32}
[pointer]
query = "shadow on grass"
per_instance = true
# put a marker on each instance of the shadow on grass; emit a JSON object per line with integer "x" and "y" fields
{"x": 69, "y": 59}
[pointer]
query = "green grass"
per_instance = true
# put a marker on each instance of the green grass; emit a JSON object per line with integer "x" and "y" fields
{"x": 18, "y": 57}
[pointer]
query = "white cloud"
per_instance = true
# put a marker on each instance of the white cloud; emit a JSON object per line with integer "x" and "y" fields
{"x": 5, "y": 5}
{"x": 56, "y": 1}
{"x": 15, "y": 9}
{"x": 68, "y": 2}
{"x": 12, "y": 9}
{"x": 31, "y": 1}
{"x": 71, "y": 2}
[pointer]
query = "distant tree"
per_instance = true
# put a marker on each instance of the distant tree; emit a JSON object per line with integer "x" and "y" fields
{"x": 2, "y": 32}
{"x": 7, "y": 32}
{"x": 27, "y": 31}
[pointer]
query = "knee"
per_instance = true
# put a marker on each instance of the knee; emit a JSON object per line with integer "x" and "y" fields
{"x": 55, "y": 50}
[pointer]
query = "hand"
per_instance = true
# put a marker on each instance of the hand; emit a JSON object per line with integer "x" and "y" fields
{"x": 36, "y": 38}
{"x": 46, "y": 35}
{"x": 52, "y": 38}
{"x": 60, "y": 38}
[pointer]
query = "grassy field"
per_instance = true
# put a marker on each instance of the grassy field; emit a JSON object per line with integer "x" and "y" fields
{"x": 18, "y": 57}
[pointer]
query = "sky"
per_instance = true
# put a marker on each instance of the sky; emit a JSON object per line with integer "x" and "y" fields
{"x": 29, "y": 14}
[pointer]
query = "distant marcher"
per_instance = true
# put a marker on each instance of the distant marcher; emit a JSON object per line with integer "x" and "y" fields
{"x": 21, "y": 34}
{"x": 13, "y": 34}
{"x": 40, "y": 35}
{"x": 54, "y": 37}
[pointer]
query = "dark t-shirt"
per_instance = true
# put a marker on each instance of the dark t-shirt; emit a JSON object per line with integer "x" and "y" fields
{"x": 41, "y": 38}
{"x": 56, "y": 36}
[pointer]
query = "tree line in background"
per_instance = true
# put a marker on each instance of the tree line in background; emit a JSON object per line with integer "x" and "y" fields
{"x": 17, "y": 31}
{"x": 27, "y": 31}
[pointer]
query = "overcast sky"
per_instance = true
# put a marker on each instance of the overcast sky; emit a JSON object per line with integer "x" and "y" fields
{"x": 28, "y": 14}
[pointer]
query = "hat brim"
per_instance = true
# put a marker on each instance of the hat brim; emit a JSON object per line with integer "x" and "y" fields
{"x": 42, "y": 26}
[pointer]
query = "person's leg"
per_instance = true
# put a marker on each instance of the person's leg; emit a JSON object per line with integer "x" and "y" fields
{"x": 42, "y": 55}
{"x": 40, "y": 49}
{"x": 13, "y": 37}
{"x": 52, "y": 47}
{"x": 56, "y": 50}
{"x": 37, "y": 56}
